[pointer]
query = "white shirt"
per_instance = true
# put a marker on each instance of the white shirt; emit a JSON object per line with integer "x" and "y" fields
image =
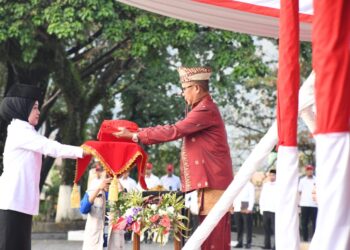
{"x": 267, "y": 201}
{"x": 129, "y": 184}
{"x": 171, "y": 183}
{"x": 24, "y": 147}
{"x": 191, "y": 201}
{"x": 151, "y": 182}
{"x": 247, "y": 194}
{"x": 306, "y": 186}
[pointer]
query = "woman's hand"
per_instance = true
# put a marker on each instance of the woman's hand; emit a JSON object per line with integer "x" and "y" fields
{"x": 104, "y": 185}
{"x": 85, "y": 152}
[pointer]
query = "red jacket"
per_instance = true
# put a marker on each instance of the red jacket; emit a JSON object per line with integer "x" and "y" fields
{"x": 205, "y": 154}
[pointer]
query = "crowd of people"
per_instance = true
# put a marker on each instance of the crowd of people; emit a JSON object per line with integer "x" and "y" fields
{"x": 266, "y": 206}
{"x": 242, "y": 211}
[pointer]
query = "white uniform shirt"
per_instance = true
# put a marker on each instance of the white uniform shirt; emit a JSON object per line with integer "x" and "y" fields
{"x": 19, "y": 183}
{"x": 129, "y": 184}
{"x": 306, "y": 186}
{"x": 171, "y": 183}
{"x": 267, "y": 201}
{"x": 151, "y": 182}
{"x": 247, "y": 194}
{"x": 191, "y": 201}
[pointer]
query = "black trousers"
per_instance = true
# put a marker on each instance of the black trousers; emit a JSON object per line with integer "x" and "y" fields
{"x": 15, "y": 230}
{"x": 269, "y": 227}
{"x": 244, "y": 221}
{"x": 308, "y": 214}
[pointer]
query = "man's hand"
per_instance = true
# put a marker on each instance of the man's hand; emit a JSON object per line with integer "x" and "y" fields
{"x": 123, "y": 133}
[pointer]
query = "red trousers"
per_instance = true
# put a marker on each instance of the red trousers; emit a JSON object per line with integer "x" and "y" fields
{"x": 220, "y": 237}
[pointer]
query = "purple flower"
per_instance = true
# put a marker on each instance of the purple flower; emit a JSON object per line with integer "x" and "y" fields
{"x": 129, "y": 219}
{"x": 135, "y": 211}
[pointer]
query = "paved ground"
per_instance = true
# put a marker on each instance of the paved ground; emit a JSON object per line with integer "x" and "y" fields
{"x": 58, "y": 242}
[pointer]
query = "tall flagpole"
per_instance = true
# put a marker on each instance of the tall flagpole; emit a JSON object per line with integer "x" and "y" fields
{"x": 331, "y": 61}
{"x": 287, "y": 219}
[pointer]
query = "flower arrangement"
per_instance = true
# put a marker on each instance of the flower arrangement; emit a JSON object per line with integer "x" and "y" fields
{"x": 162, "y": 214}
{"x": 159, "y": 215}
{"x": 126, "y": 213}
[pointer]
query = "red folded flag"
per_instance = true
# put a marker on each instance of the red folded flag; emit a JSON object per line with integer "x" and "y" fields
{"x": 115, "y": 155}
{"x": 108, "y": 127}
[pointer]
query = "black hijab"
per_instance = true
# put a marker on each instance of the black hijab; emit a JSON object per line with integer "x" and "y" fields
{"x": 19, "y": 101}
{"x": 16, "y": 108}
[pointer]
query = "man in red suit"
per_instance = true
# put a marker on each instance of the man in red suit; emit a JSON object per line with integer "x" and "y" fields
{"x": 205, "y": 156}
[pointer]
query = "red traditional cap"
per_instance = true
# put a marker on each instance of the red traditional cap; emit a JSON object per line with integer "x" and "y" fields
{"x": 149, "y": 165}
{"x": 309, "y": 167}
{"x": 194, "y": 73}
{"x": 170, "y": 167}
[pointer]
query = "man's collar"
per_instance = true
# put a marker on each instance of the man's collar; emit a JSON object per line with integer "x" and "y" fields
{"x": 204, "y": 97}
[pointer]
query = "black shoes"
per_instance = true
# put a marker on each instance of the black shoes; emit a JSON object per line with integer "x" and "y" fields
{"x": 240, "y": 245}
{"x": 271, "y": 248}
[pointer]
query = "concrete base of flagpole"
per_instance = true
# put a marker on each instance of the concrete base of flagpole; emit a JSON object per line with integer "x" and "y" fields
{"x": 304, "y": 246}
{"x": 64, "y": 211}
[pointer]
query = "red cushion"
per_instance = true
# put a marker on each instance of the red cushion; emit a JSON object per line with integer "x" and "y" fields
{"x": 111, "y": 126}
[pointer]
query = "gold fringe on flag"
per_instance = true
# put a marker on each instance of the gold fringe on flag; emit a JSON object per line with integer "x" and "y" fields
{"x": 113, "y": 190}
{"x": 75, "y": 197}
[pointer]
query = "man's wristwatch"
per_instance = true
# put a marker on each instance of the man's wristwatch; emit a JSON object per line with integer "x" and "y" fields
{"x": 134, "y": 137}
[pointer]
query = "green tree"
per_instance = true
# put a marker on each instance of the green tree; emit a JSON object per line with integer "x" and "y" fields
{"x": 252, "y": 115}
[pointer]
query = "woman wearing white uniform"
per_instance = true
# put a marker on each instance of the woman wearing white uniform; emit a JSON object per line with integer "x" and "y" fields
{"x": 22, "y": 159}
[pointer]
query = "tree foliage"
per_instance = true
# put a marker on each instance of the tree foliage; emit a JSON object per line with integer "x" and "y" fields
{"x": 86, "y": 52}
{"x": 253, "y": 114}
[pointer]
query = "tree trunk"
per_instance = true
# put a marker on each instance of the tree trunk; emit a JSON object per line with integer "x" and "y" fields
{"x": 3, "y": 124}
{"x": 64, "y": 211}
{"x": 70, "y": 135}
{"x": 45, "y": 169}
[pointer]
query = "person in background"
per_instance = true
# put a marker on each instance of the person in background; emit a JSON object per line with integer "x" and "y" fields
{"x": 152, "y": 181}
{"x": 192, "y": 210}
{"x": 128, "y": 183}
{"x": 22, "y": 159}
{"x": 307, "y": 204}
{"x": 98, "y": 234}
{"x": 267, "y": 204}
{"x": 93, "y": 174}
{"x": 243, "y": 214}
{"x": 170, "y": 181}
